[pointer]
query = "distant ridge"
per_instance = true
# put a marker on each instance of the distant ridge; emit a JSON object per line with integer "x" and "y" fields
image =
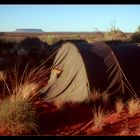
{"x": 29, "y": 30}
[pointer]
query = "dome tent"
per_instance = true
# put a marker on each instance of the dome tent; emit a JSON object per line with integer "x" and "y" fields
{"x": 80, "y": 67}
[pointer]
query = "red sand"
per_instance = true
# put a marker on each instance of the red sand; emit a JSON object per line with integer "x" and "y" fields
{"x": 77, "y": 120}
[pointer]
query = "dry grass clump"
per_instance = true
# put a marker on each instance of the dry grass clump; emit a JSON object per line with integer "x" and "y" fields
{"x": 133, "y": 106}
{"x": 17, "y": 115}
{"x": 96, "y": 37}
{"x": 115, "y": 34}
{"x": 97, "y": 95}
{"x": 99, "y": 117}
{"x": 17, "y": 111}
{"x": 50, "y": 39}
{"x": 119, "y": 105}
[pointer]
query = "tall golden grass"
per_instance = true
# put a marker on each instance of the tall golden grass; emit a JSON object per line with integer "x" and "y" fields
{"x": 133, "y": 106}
{"x": 17, "y": 111}
{"x": 17, "y": 116}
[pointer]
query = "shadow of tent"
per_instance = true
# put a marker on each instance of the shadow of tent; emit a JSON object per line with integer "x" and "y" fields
{"x": 67, "y": 120}
{"x": 128, "y": 56}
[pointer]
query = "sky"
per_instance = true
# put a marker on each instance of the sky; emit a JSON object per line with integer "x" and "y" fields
{"x": 69, "y": 18}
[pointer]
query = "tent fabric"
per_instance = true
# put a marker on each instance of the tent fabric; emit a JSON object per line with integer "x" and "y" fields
{"x": 85, "y": 67}
{"x": 129, "y": 59}
{"x": 72, "y": 85}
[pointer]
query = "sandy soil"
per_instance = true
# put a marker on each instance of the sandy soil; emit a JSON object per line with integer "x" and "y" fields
{"x": 77, "y": 120}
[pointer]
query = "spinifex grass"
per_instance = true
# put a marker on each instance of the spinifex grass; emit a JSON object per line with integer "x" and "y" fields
{"x": 17, "y": 112}
{"x": 119, "y": 105}
{"x": 17, "y": 116}
{"x": 133, "y": 106}
{"x": 99, "y": 116}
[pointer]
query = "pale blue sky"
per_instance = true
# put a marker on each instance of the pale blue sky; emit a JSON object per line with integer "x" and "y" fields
{"x": 69, "y": 17}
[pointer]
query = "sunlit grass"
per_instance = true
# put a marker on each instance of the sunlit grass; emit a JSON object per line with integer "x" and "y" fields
{"x": 17, "y": 111}
{"x": 17, "y": 116}
{"x": 119, "y": 105}
{"x": 99, "y": 116}
{"x": 133, "y": 106}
